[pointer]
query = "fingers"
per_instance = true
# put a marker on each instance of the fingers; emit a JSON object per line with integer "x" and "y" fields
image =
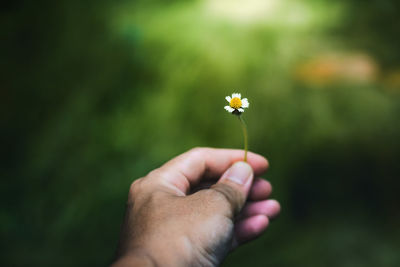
{"x": 260, "y": 190}
{"x": 249, "y": 228}
{"x": 259, "y": 203}
{"x": 269, "y": 208}
{"x": 254, "y": 219}
{"x": 189, "y": 168}
{"x": 234, "y": 185}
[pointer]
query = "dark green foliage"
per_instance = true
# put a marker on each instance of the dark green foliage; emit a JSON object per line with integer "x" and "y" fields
{"x": 97, "y": 93}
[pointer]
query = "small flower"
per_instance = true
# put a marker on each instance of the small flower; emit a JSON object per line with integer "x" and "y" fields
{"x": 236, "y": 104}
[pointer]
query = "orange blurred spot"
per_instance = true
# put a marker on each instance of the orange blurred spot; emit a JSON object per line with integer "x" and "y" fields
{"x": 330, "y": 68}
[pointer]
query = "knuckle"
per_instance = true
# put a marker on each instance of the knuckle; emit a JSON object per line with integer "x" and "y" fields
{"x": 134, "y": 189}
{"x": 195, "y": 152}
{"x": 144, "y": 190}
{"x": 198, "y": 151}
{"x": 155, "y": 173}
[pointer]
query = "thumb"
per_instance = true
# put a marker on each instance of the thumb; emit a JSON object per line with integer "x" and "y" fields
{"x": 235, "y": 185}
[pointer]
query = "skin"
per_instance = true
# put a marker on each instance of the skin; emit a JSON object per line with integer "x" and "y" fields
{"x": 195, "y": 209}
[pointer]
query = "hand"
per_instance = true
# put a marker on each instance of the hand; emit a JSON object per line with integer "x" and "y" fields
{"x": 174, "y": 218}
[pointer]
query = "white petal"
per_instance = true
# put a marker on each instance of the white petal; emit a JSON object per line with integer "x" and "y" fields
{"x": 229, "y": 109}
{"x": 236, "y": 95}
{"x": 241, "y": 110}
{"x": 228, "y": 98}
{"x": 245, "y": 103}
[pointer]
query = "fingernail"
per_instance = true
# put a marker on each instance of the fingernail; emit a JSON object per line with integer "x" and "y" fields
{"x": 240, "y": 173}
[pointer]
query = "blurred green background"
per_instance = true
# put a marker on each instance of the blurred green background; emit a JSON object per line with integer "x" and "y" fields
{"x": 95, "y": 94}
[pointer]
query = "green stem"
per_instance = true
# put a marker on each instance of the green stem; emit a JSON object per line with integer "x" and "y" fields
{"x": 244, "y": 128}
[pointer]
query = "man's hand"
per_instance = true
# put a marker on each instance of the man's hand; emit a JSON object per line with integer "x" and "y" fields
{"x": 195, "y": 208}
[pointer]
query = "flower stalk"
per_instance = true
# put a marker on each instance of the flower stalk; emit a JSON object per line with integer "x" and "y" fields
{"x": 245, "y": 138}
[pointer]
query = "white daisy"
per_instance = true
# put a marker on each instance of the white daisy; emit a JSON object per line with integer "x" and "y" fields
{"x": 236, "y": 104}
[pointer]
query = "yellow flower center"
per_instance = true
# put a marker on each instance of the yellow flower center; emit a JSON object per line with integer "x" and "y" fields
{"x": 235, "y": 103}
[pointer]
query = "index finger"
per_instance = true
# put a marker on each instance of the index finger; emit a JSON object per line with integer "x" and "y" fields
{"x": 189, "y": 168}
